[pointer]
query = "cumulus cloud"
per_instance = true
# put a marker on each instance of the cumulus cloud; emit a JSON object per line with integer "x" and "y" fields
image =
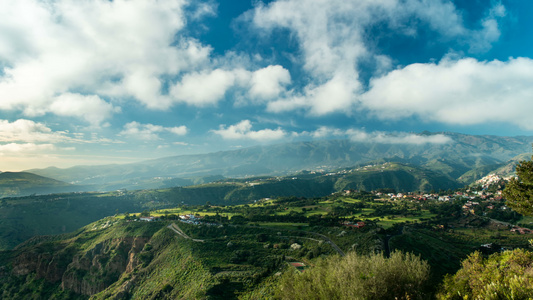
{"x": 91, "y": 108}
{"x": 336, "y": 95}
{"x": 243, "y": 131}
{"x": 269, "y": 82}
{"x": 24, "y": 142}
{"x": 333, "y": 40}
{"x": 464, "y": 91}
{"x": 179, "y": 130}
{"x": 149, "y": 131}
{"x": 206, "y": 88}
{"x": 115, "y": 49}
{"x": 65, "y": 57}
{"x": 27, "y": 131}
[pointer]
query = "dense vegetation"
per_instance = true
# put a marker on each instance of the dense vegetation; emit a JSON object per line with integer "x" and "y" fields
{"x": 507, "y": 275}
{"x": 24, "y": 217}
{"x": 401, "y": 276}
{"x": 519, "y": 191}
{"x": 252, "y": 251}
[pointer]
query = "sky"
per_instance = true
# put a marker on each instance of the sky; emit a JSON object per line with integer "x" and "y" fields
{"x": 86, "y": 82}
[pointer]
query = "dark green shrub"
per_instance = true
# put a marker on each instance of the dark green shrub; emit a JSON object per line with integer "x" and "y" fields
{"x": 507, "y": 275}
{"x": 402, "y": 276}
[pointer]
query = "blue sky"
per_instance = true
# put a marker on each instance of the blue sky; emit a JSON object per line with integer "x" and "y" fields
{"x": 97, "y": 81}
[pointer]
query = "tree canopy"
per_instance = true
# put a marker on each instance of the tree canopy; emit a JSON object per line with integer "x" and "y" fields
{"x": 519, "y": 191}
{"x": 507, "y": 275}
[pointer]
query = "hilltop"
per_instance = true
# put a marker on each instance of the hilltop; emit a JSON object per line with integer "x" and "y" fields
{"x": 25, "y": 183}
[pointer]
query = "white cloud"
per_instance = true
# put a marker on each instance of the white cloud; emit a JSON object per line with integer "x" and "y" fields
{"x": 97, "y": 48}
{"x": 150, "y": 132}
{"x": 482, "y": 40}
{"x": 396, "y": 138}
{"x": 91, "y": 108}
{"x": 181, "y": 144}
{"x": 336, "y": 95}
{"x": 325, "y": 131}
{"x": 179, "y": 130}
{"x": 333, "y": 40}
{"x": 206, "y": 88}
{"x": 269, "y": 82}
{"x": 379, "y": 137}
{"x": 145, "y": 87}
{"x": 25, "y": 148}
{"x": 27, "y": 131}
{"x": 111, "y": 52}
{"x": 243, "y": 131}
{"x": 464, "y": 92}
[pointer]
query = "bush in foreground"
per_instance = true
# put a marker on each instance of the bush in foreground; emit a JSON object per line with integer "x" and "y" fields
{"x": 507, "y": 275}
{"x": 402, "y": 276}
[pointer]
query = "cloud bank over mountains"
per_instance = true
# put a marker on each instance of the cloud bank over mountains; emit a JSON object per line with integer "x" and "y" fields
{"x": 117, "y": 71}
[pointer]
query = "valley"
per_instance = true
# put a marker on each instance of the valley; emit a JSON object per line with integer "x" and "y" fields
{"x": 24, "y": 217}
{"x": 219, "y": 251}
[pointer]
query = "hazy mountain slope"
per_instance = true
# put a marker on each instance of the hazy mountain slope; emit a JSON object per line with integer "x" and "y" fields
{"x": 504, "y": 169}
{"x": 389, "y": 175}
{"x": 24, "y": 183}
{"x": 454, "y": 159}
{"x": 400, "y": 177}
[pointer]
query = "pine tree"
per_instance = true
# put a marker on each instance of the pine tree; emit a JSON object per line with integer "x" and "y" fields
{"x": 519, "y": 191}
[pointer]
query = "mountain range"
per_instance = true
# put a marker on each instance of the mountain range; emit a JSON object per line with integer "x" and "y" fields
{"x": 464, "y": 158}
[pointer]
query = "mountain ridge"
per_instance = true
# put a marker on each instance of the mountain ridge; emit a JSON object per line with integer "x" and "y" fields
{"x": 454, "y": 159}
{"x": 26, "y": 183}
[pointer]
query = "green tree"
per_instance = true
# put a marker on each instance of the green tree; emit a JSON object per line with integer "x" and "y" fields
{"x": 507, "y": 275}
{"x": 519, "y": 191}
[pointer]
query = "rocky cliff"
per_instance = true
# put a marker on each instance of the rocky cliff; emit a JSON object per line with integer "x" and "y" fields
{"x": 84, "y": 265}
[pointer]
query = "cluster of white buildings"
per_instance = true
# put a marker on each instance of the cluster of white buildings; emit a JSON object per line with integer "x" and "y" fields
{"x": 190, "y": 219}
{"x": 195, "y": 220}
{"x": 491, "y": 179}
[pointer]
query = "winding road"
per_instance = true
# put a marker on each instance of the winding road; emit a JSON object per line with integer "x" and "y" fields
{"x": 174, "y": 227}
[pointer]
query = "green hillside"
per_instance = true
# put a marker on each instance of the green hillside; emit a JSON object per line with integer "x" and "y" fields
{"x": 24, "y": 217}
{"x": 244, "y": 251}
{"x": 24, "y": 183}
{"x": 115, "y": 259}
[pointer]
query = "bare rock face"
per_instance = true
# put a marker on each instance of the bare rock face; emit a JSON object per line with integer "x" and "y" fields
{"x": 44, "y": 265}
{"x": 83, "y": 272}
{"x": 96, "y": 269}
